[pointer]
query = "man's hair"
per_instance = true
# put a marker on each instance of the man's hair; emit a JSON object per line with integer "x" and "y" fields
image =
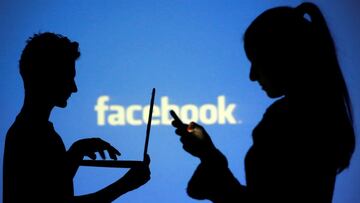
{"x": 43, "y": 52}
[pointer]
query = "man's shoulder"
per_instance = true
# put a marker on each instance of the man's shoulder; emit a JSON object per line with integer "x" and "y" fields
{"x": 24, "y": 131}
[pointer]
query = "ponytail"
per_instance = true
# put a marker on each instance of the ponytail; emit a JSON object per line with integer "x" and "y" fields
{"x": 330, "y": 65}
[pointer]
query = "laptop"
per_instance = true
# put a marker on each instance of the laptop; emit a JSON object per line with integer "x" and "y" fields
{"x": 130, "y": 163}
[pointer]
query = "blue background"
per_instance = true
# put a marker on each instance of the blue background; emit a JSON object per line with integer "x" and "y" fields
{"x": 191, "y": 51}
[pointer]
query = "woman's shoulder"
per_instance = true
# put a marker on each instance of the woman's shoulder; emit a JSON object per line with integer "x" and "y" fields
{"x": 274, "y": 120}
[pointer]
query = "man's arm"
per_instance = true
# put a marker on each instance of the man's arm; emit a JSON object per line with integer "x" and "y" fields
{"x": 132, "y": 180}
{"x": 88, "y": 147}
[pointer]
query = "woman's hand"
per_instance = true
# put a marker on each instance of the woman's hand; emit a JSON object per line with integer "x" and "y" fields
{"x": 194, "y": 138}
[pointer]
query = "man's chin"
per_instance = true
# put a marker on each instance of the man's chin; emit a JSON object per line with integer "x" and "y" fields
{"x": 61, "y": 105}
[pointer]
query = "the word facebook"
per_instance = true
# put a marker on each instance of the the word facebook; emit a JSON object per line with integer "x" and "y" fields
{"x": 208, "y": 114}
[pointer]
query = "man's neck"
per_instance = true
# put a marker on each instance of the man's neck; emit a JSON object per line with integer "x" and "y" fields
{"x": 37, "y": 110}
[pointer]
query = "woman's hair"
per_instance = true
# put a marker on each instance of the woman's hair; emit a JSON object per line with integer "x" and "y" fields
{"x": 300, "y": 38}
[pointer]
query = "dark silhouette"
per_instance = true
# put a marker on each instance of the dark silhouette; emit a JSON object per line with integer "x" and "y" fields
{"x": 305, "y": 138}
{"x": 37, "y": 167}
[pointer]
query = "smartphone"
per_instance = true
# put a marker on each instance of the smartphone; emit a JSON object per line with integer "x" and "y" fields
{"x": 176, "y": 117}
{"x": 192, "y": 128}
{"x": 181, "y": 125}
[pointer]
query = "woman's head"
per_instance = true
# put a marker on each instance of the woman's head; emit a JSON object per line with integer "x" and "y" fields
{"x": 292, "y": 54}
{"x": 278, "y": 44}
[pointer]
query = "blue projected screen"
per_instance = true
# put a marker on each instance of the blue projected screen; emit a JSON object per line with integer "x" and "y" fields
{"x": 191, "y": 52}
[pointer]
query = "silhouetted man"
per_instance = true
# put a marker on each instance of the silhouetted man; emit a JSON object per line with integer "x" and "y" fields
{"x": 37, "y": 167}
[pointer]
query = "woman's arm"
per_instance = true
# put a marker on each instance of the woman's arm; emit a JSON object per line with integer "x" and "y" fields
{"x": 212, "y": 179}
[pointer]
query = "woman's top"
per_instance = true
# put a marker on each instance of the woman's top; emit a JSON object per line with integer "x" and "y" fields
{"x": 288, "y": 162}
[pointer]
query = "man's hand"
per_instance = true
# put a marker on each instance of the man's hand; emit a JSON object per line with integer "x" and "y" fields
{"x": 89, "y": 147}
{"x": 137, "y": 176}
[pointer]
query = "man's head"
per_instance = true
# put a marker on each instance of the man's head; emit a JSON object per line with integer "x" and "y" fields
{"x": 47, "y": 66}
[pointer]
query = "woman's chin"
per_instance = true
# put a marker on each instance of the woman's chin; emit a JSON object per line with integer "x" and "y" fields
{"x": 273, "y": 94}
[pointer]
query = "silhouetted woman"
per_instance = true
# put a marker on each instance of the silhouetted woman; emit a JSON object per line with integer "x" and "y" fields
{"x": 305, "y": 137}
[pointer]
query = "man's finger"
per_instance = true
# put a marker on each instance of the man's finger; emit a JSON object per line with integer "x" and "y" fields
{"x": 113, "y": 153}
{"x": 91, "y": 155}
{"x": 116, "y": 151}
{"x": 102, "y": 154}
